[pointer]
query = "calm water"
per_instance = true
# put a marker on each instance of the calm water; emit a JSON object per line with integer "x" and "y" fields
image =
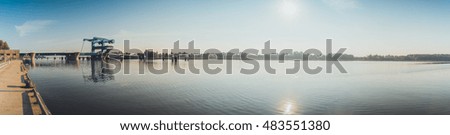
{"x": 367, "y": 88}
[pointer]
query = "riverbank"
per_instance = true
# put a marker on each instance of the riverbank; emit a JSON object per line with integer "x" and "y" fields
{"x": 17, "y": 94}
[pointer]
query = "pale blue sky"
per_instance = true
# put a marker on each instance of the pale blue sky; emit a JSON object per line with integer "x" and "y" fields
{"x": 363, "y": 26}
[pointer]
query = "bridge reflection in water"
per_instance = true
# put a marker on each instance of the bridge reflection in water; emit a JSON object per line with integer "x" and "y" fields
{"x": 99, "y": 70}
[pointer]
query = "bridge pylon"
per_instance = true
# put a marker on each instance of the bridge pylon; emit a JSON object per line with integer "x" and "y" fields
{"x": 73, "y": 56}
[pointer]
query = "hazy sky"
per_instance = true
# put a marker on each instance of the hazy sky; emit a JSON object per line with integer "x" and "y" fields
{"x": 363, "y": 26}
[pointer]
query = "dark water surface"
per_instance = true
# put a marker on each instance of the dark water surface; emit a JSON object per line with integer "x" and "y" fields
{"x": 368, "y": 88}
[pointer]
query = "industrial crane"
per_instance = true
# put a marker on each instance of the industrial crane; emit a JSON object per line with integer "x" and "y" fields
{"x": 102, "y": 44}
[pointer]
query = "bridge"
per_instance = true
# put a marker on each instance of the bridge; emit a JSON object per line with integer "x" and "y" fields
{"x": 97, "y": 43}
{"x": 68, "y": 55}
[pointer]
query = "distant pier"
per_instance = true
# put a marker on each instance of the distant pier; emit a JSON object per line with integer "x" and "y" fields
{"x": 18, "y": 94}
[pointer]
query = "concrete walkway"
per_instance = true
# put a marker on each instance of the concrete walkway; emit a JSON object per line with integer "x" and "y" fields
{"x": 15, "y": 99}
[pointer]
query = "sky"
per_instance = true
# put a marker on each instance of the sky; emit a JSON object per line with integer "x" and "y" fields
{"x": 364, "y": 27}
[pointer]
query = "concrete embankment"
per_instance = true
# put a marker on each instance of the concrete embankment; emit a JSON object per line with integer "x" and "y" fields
{"x": 18, "y": 95}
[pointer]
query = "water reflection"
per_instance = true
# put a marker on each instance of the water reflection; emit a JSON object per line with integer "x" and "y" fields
{"x": 100, "y": 72}
{"x": 53, "y": 63}
{"x": 288, "y": 107}
{"x": 369, "y": 88}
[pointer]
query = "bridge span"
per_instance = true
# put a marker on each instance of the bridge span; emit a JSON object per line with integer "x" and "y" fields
{"x": 97, "y": 43}
{"x": 68, "y": 55}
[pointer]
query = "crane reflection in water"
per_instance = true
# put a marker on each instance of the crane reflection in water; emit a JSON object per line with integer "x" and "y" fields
{"x": 100, "y": 72}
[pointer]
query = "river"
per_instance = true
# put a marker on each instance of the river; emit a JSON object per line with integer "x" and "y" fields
{"x": 368, "y": 88}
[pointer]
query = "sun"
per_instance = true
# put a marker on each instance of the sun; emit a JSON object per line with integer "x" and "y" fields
{"x": 289, "y": 8}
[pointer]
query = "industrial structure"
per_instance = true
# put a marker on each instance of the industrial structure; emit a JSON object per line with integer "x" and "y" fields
{"x": 100, "y": 47}
{"x": 101, "y": 44}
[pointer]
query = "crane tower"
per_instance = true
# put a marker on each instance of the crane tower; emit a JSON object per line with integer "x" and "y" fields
{"x": 101, "y": 44}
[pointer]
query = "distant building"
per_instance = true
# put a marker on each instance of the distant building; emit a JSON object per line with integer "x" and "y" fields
{"x": 6, "y": 53}
{"x": 9, "y": 54}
